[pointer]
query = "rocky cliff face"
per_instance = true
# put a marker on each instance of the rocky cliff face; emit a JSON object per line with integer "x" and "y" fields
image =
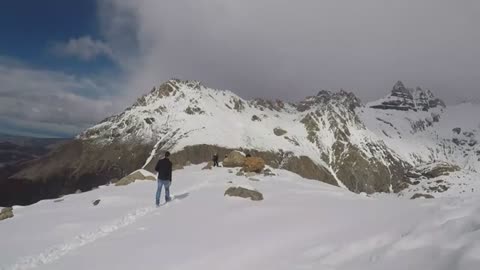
{"x": 329, "y": 137}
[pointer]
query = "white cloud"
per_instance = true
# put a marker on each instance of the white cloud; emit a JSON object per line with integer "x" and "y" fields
{"x": 53, "y": 101}
{"x": 290, "y": 49}
{"x": 84, "y": 48}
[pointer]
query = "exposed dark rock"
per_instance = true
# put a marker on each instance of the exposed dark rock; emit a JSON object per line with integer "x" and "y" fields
{"x": 133, "y": 177}
{"x": 459, "y": 142}
{"x": 96, "y": 202}
{"x": 420, "y": 195}
{"x": 439, "y": 188}
{"x": 256, "y": 118}
{"x": 268, "y": 172}
{"x": 262, "y": 104}
{"x": 164, "y": 90}
{"x": 350, "y": 164}
{"x": 311, "y": 126}
{"x": 421, "y": 125}
{"x": 149, "y": 120}
{"x": 305, "y": 167}
{"x": 239, "y": 106}
{"x": 279, "y": 132}
{"x": 244, "y": 193}
{"x": 194, "y": 110}
{"x": 437, "y": 169}
{"x": 326, "y": 97}
{"x": 457, "y": 130}
{"x": 6, "y": 213}
{"x": 293, "y": 141}
{"x": 413, "y": 174}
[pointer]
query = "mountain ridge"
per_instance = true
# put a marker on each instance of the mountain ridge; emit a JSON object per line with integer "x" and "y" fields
{"x": 330, "y": 136}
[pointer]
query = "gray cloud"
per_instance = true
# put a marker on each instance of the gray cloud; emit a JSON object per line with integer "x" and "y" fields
{"x": 85, "y": 48}
{"x": 50, "y": 101}
{"x": 257, "y": 48}
{"x": 290, "y": 49}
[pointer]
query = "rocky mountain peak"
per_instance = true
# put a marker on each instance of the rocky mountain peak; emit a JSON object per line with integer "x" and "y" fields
{"x": 399, "y": 86}
{"x": 168, "y": 88}
{"x": 324, "y": 97}
{"x": 406, "y": 99}
{"x": 262, "y": 104}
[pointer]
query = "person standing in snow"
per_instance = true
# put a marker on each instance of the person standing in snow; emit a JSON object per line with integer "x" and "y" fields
{"x": 164, "y": 178}
{"x": 215, "y": 160}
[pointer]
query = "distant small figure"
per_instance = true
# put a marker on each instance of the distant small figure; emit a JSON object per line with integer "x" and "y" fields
{"x": 215, "y": 160}
{"x": 164, "y": 178}
{"x": 248, "y": 155}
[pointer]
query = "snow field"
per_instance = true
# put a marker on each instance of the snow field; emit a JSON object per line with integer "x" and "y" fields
{"x": 300, "y": 224}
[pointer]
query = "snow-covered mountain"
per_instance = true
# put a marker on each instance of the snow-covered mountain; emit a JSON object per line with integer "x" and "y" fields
{"x": 428, "y": 131}
{"x": 324, "y": 128}
{"x": 382, "y": 146}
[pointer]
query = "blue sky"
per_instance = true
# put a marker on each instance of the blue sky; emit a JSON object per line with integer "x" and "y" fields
{"x": 31, "y": 27}
{"x": 35, "y": 51}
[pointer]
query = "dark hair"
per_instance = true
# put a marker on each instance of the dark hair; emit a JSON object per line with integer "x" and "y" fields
{"x": 167, "y": 154}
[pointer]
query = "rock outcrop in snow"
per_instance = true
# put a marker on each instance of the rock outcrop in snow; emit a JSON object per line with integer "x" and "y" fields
{"x": 6, "y": 213}
{"x": 246, "y": 193}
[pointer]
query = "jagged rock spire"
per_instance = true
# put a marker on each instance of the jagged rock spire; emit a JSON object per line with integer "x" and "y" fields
{"x": 405, "y": 99}
{"x": 399, "y": 87}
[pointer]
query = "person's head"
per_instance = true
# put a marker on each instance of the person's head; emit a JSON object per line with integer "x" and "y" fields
{"x": 167, "y": 154}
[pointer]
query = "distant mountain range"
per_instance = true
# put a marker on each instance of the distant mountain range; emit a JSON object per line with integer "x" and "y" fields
{"x": 382, "y": 146}
{"x": 14, "y": 149}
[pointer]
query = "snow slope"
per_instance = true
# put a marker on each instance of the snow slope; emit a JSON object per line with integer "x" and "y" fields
{"x": 300, "y": 224}
{"x": 449, "y": 134}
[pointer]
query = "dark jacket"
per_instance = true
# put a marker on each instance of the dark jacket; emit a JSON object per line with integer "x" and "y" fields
{"x": 164, "y": 169}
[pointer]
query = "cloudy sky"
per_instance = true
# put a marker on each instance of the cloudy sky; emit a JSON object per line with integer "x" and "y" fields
{"x": 65, "y": 65}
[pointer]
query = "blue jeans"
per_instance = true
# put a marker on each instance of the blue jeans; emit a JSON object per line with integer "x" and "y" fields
{"x": 161, "y": 183}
